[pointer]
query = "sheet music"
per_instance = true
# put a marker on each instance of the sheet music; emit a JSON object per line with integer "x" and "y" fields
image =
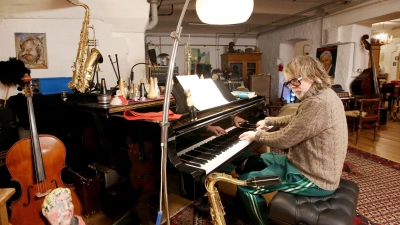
{"x": 205, "y": 94}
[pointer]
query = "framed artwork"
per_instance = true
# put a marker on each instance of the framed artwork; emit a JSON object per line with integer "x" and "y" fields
{"x": 202, "y": 55}
{"x": 327, "y": 55}
{"x": 31, "y": 49}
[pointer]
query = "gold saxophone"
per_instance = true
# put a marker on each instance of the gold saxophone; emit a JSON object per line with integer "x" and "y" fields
{"x": 216, "y": 208}
{"x": 85, "y": 65}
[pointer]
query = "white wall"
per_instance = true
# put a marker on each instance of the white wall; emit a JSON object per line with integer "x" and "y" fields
{"x": 344, "y": 29}
{"x": 118, "y": 30}
{"x": 122, "y": 32}
{"x": 388, "y": 58}
{"x": 281, "y": 44}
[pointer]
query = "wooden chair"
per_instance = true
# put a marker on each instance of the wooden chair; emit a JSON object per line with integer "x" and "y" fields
{"x": 367, "y": 114}
{"x": 5, "y": 194}
{"x": 346, "y": 99}
{"x": 387, "y": 90}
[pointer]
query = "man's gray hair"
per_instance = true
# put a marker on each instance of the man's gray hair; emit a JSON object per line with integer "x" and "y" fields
{"x": 326, "y": 53}
{"x": 309, "y": 68}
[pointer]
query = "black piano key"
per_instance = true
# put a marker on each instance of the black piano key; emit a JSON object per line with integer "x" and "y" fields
{"x": 215, "y": 150}
{"x": 207, "y": 145}
{"x": 193, "y": 153}
{"x": 206, "y": 156}
{"x": 212, "y": 151}
{"x": 220, "y": 142}
{"x": 199, "y": 159}
{"x": 191, "y": 158}
{"x": 191, "y": 163}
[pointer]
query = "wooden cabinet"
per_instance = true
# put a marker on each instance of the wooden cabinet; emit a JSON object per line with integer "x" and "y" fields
{"x": 241, "y": 65}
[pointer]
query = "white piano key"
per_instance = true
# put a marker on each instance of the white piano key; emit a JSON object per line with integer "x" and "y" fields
{"x": 211, "y": 165}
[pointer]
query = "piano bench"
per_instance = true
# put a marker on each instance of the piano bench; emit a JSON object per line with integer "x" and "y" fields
{"x": 338, "y": 208}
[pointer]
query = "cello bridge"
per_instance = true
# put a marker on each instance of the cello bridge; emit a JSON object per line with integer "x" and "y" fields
{"x": 41, "y": 194}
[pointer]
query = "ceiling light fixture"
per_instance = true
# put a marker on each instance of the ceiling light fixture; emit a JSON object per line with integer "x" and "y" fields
{"x": 382, "y": 38}
{"x": 222, "y": 12}
{"x": 206, "y": 24}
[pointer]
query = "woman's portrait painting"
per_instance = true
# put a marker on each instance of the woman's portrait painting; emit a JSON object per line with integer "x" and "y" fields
{"x": 31, "y": 49}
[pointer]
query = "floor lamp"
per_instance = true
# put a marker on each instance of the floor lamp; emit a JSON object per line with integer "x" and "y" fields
{"x": 203, "y": 7}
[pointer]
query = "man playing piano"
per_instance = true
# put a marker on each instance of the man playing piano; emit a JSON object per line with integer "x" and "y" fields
{"x": 316, "y": 136}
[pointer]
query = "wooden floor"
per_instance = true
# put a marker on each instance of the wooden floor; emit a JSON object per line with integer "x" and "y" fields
{"x": 387, "y": 145}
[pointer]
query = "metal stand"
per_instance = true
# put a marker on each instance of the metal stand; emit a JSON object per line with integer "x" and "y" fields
{"x": 165, "y": 123}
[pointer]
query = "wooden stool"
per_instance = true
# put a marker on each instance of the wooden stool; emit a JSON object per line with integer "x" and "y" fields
{"x": 5, "y": 194}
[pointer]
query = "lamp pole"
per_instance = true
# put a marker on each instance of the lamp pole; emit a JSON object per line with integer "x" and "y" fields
{"x": 165, "y": 123}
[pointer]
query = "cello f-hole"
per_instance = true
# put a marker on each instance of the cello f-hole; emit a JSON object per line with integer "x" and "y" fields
{"x": 55, "y": 182}
{"x": 29, "y": 196}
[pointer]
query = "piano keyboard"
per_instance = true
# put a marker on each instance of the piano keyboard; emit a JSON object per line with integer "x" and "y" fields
{"x": 213, "y": 151}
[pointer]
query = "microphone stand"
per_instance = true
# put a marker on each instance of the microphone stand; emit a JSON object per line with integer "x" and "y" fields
{"x": 164, "y": 122}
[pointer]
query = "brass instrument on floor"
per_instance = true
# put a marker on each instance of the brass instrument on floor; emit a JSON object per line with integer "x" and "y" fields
{"x": 216, "y": 208}
{"x": 86, "y": 64}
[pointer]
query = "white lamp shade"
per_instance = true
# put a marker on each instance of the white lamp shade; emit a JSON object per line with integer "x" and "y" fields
{"x": 221, "y": 12}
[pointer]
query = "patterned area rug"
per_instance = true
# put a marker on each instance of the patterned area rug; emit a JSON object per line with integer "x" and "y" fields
{"x": 198, "y": 214}
{"x": 379, "y": 182}
{"x": 379, "y": 199}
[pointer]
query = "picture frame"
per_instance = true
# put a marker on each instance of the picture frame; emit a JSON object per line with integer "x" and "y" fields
{"x": 327, "y": 56}
{"x": 396, "y": 58}
{"x": 31, "y": 48}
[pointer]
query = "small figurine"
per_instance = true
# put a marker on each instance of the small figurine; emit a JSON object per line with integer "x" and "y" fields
{"x": 58, "y": 209}
{"x": 230, "y": 48}
{"x": 189, "y": 102}
{"x": 118, "y": 99}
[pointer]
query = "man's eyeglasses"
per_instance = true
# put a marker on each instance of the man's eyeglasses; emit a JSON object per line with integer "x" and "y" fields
{"x": 295, "y": 82}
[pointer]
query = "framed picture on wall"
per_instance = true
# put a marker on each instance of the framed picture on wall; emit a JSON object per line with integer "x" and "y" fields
{"x": 202, "y": 55}
{"x": 31, "y": 48}
{"x": 327, "y": 55}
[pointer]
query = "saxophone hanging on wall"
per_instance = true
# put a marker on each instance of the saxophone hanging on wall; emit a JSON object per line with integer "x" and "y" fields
{"x": 216, "y": 208}
{"x": 85, "y": 65}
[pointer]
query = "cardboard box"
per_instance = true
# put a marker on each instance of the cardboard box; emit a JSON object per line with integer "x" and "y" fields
{"x": 51, "y": 85}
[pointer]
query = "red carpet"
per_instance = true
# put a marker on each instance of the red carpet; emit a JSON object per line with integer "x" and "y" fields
{"x": 379, "y": 199}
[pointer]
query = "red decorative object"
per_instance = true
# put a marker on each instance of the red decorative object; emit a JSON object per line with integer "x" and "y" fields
{"x": 280, "y": 67}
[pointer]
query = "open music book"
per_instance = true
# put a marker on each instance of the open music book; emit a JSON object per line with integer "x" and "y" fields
{"x": 205, "y": 94}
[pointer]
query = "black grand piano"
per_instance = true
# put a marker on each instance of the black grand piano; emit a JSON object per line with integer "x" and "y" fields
{"x": 192, "y": 151}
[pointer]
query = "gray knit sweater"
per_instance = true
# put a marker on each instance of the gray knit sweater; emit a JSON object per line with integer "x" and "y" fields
{"x": 316, "y": 136}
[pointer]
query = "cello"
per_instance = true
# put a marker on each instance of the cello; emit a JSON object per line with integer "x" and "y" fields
{"x": 36, "y": 164}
